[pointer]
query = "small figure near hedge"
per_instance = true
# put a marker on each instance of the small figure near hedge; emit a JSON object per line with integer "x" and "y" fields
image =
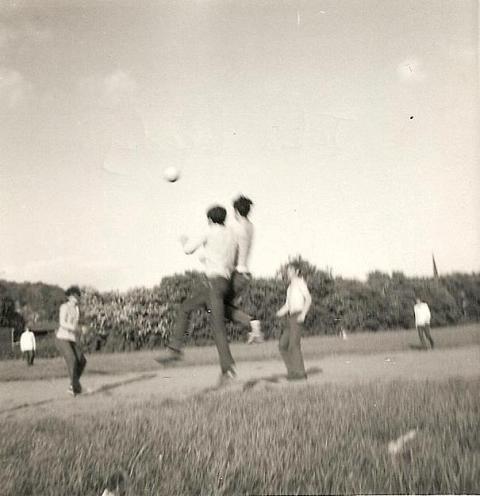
{"x": 28, "y": 345}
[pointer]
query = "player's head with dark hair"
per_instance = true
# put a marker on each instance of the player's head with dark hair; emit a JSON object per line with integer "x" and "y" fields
{"x": 242, "y": 205}
{"x": 73, "y": 291}
{"x": 418, "y": 296}
{"x": 217, "y": 214}
{"x": 293, "y": 269}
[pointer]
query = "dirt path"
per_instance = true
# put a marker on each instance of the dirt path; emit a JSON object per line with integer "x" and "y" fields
{"x": 40, "y": 398}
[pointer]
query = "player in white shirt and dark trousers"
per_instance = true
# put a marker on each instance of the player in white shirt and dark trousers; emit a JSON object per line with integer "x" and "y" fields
{"x": 296, "y": 306}
{"x": 422, "y": 322}
{"x": 219, "y": 246}
{"x": 67, "y": 338}
{"x": 241, "y": 276}
{"x": 28, "y": 346}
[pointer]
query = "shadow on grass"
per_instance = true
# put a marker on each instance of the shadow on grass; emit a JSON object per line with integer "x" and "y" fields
{"x": 417, "y": 347}
{"x": 246, "y": 386}
{"x": 26, "y": 405}
{"x": 97, "y": 372}
{"x": 277, "y": 378}
{"x": 106, "y": 388}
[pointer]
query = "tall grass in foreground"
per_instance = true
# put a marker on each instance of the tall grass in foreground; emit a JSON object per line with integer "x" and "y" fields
{"x": 295, "y": 440}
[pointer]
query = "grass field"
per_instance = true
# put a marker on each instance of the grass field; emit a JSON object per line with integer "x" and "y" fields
{"x": 318, "y": 347}
{"x": 297, "y": 440}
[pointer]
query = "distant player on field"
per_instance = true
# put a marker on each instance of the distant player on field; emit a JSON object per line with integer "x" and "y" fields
{"x": 296, "y": 307}
{"x": 422, "y": 322}
{"x": 241, "y": 277}
{"x": 28, "y": 345}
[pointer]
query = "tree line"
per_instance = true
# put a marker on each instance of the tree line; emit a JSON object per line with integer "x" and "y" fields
{"x": 144, "y": 317}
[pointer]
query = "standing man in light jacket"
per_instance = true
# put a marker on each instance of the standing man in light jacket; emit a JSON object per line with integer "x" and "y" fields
{"x": 296, "y": 306}
{"x": 68, "y": 337}
{"x": 219, "y": 249}
{"x": 28, "y": 346}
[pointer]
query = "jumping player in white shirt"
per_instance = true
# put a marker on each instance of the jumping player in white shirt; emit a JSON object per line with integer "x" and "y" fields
{"x": 241, "y": 276}
{"x": 219, "y": 247}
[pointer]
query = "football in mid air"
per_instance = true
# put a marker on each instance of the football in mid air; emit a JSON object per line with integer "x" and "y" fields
{"x": 171, "y": 174}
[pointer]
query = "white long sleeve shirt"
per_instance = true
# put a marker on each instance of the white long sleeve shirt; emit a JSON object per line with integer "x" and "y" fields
{"x": 298, "y": 298}
{"x": 69, "y": 317}
{"x": 219, "y": 249}
{"x": 243, "y": 230}
{"x": 422, "y": 314}
{"x": 27, "y": 341}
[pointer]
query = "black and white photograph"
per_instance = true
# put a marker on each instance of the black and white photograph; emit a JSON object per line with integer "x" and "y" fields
{"x": 239, "y": 247}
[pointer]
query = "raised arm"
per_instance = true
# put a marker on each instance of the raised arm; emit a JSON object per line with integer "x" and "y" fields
{"x": 191, "y": 246}
{"x": 283, "y": 311}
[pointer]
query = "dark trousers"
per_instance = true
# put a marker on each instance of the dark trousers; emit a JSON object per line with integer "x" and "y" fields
{"x": 75, "y": 360}
{"x": 212, "y": 296}
{"x": 425, "y": 330}
{"x": 290, "y": 349}
{"x": 29, "y": 356}
{"x": 238, "y": 284}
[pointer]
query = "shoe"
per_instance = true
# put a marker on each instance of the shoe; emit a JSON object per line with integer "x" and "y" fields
{"x": 74, "y": 391}
{"x": 228, "y": 377}
{"x": 297, "y": 377}
{"x": 173, "y": 355}
{"x": 256, "y": 335}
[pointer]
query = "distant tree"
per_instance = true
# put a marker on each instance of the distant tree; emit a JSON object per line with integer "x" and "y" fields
{"x": 9, "y": 317}
{"x": 37, "y": 301}
{"x": 379, "y": 281}
{"x": 7, "y": 310}
{"x": 465, "y": 289}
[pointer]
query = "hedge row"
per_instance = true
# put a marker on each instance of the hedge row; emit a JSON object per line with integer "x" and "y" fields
{"x": 144, "y": 318}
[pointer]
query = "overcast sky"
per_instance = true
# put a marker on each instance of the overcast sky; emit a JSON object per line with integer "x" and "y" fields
{"x": 352, "y": 125}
